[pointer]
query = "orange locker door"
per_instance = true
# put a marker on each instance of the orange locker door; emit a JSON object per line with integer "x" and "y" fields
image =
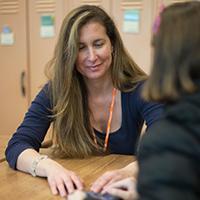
{"x": 44, "y": 23}
{"x": 134, "y": 20}
{"x": 71, "y": 4}
{"x": 13, "y": 65}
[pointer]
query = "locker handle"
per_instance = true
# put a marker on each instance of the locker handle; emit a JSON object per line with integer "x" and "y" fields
{"x": 23, "y": 89}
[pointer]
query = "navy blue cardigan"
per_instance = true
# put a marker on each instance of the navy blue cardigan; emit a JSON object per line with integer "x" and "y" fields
{"x": 37, "y": 120}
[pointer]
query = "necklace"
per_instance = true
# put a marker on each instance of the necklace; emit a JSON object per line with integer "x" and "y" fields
{"x": 114, "y": 91}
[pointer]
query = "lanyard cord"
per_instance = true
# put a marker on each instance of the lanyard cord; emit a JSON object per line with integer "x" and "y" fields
{"x": 114, "y": 91}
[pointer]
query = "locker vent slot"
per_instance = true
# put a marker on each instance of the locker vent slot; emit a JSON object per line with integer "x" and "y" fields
{"x": 130, "y": 4}
{"x": 9, "y": 7}
{"x": 179, "y": 1}
{"x": 45, "y": 6}
{"x": 91, "y": 2}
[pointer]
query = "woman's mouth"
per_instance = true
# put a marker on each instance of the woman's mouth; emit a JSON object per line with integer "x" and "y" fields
{"x": 94, "y": 67}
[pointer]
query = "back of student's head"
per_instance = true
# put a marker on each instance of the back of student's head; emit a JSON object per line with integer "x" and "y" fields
{"x": 176, "y": 64}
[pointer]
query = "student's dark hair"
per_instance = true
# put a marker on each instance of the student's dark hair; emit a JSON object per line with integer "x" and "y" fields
{"x": 176, "y": 63}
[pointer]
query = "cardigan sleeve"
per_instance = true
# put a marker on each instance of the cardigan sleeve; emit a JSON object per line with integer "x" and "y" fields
{"x": 149, "y": 111}
{"x": 33, "y": 129}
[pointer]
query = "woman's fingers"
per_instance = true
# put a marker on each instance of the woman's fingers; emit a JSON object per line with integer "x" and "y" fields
{"x": 121, "y": 193}
{"x": 69, "y": 185}
{"x": 77, "y": 181}
{"x": 108, "y": 178}
{"x": 61, "y": 188}
{"x": 53, "y": 187}
{"x": 64, "y": 182}
{"x": 126, "y": 184}
{"x": 103, "y": 180}
{"x": 72, "y": 182}
{"x": 125, "y": 189}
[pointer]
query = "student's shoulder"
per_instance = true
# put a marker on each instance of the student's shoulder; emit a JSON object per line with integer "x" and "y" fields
{"x": 161, "y": 136}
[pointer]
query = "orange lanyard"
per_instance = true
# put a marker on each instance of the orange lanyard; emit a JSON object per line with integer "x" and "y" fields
{"x": 109, "y": 121}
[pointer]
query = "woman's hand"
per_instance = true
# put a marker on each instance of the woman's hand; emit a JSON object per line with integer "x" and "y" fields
{"x": 61, "y": 180}
{"x": 125, "y": 189}
{"x": 114, "y": 176}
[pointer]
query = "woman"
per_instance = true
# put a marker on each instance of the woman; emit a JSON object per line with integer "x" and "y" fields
{"x": 92, "y": 98}
{"x": 169, "y": 155}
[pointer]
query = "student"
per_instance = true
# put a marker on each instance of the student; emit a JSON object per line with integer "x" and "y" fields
{"x": 169, "y": 155}
{"x": 92, "y": 98}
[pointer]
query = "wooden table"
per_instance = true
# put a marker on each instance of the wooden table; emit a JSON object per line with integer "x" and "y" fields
{"x": 15, "y": 185}
{"x": 3, "y": 143}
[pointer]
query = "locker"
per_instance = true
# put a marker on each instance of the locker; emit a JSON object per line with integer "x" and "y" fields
{"x": 71, "y": 4}
{"x": 134, "y": 19}
{"x": 13, "y": 64}
{"x": 29, "y": 31}
{"x": 45, "y": 19}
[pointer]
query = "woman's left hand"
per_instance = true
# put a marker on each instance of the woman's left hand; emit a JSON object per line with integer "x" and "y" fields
{"x": 114, "y": 176}
{"x": 125, "y": 189}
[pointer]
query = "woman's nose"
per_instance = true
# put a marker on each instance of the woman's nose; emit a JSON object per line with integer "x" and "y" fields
{"x": 92, "y": 55}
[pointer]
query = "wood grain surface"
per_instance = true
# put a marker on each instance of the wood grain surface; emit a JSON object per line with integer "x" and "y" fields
{"x": 15, "y": 185}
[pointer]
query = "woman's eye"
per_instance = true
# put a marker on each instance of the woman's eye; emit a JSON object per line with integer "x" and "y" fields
{"x": 98, "y": 45}
{"x": 81, "y": 47}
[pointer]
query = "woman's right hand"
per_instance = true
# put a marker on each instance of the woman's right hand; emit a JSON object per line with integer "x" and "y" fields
{"x": 61, "y": 180}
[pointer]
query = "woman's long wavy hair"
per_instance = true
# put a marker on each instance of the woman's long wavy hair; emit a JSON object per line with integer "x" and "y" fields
{"x": 176, "y": 63}
{"x": 72, "y": 130}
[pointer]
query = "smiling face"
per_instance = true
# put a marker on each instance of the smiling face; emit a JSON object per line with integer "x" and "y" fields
{"x": 95, "y": 52}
